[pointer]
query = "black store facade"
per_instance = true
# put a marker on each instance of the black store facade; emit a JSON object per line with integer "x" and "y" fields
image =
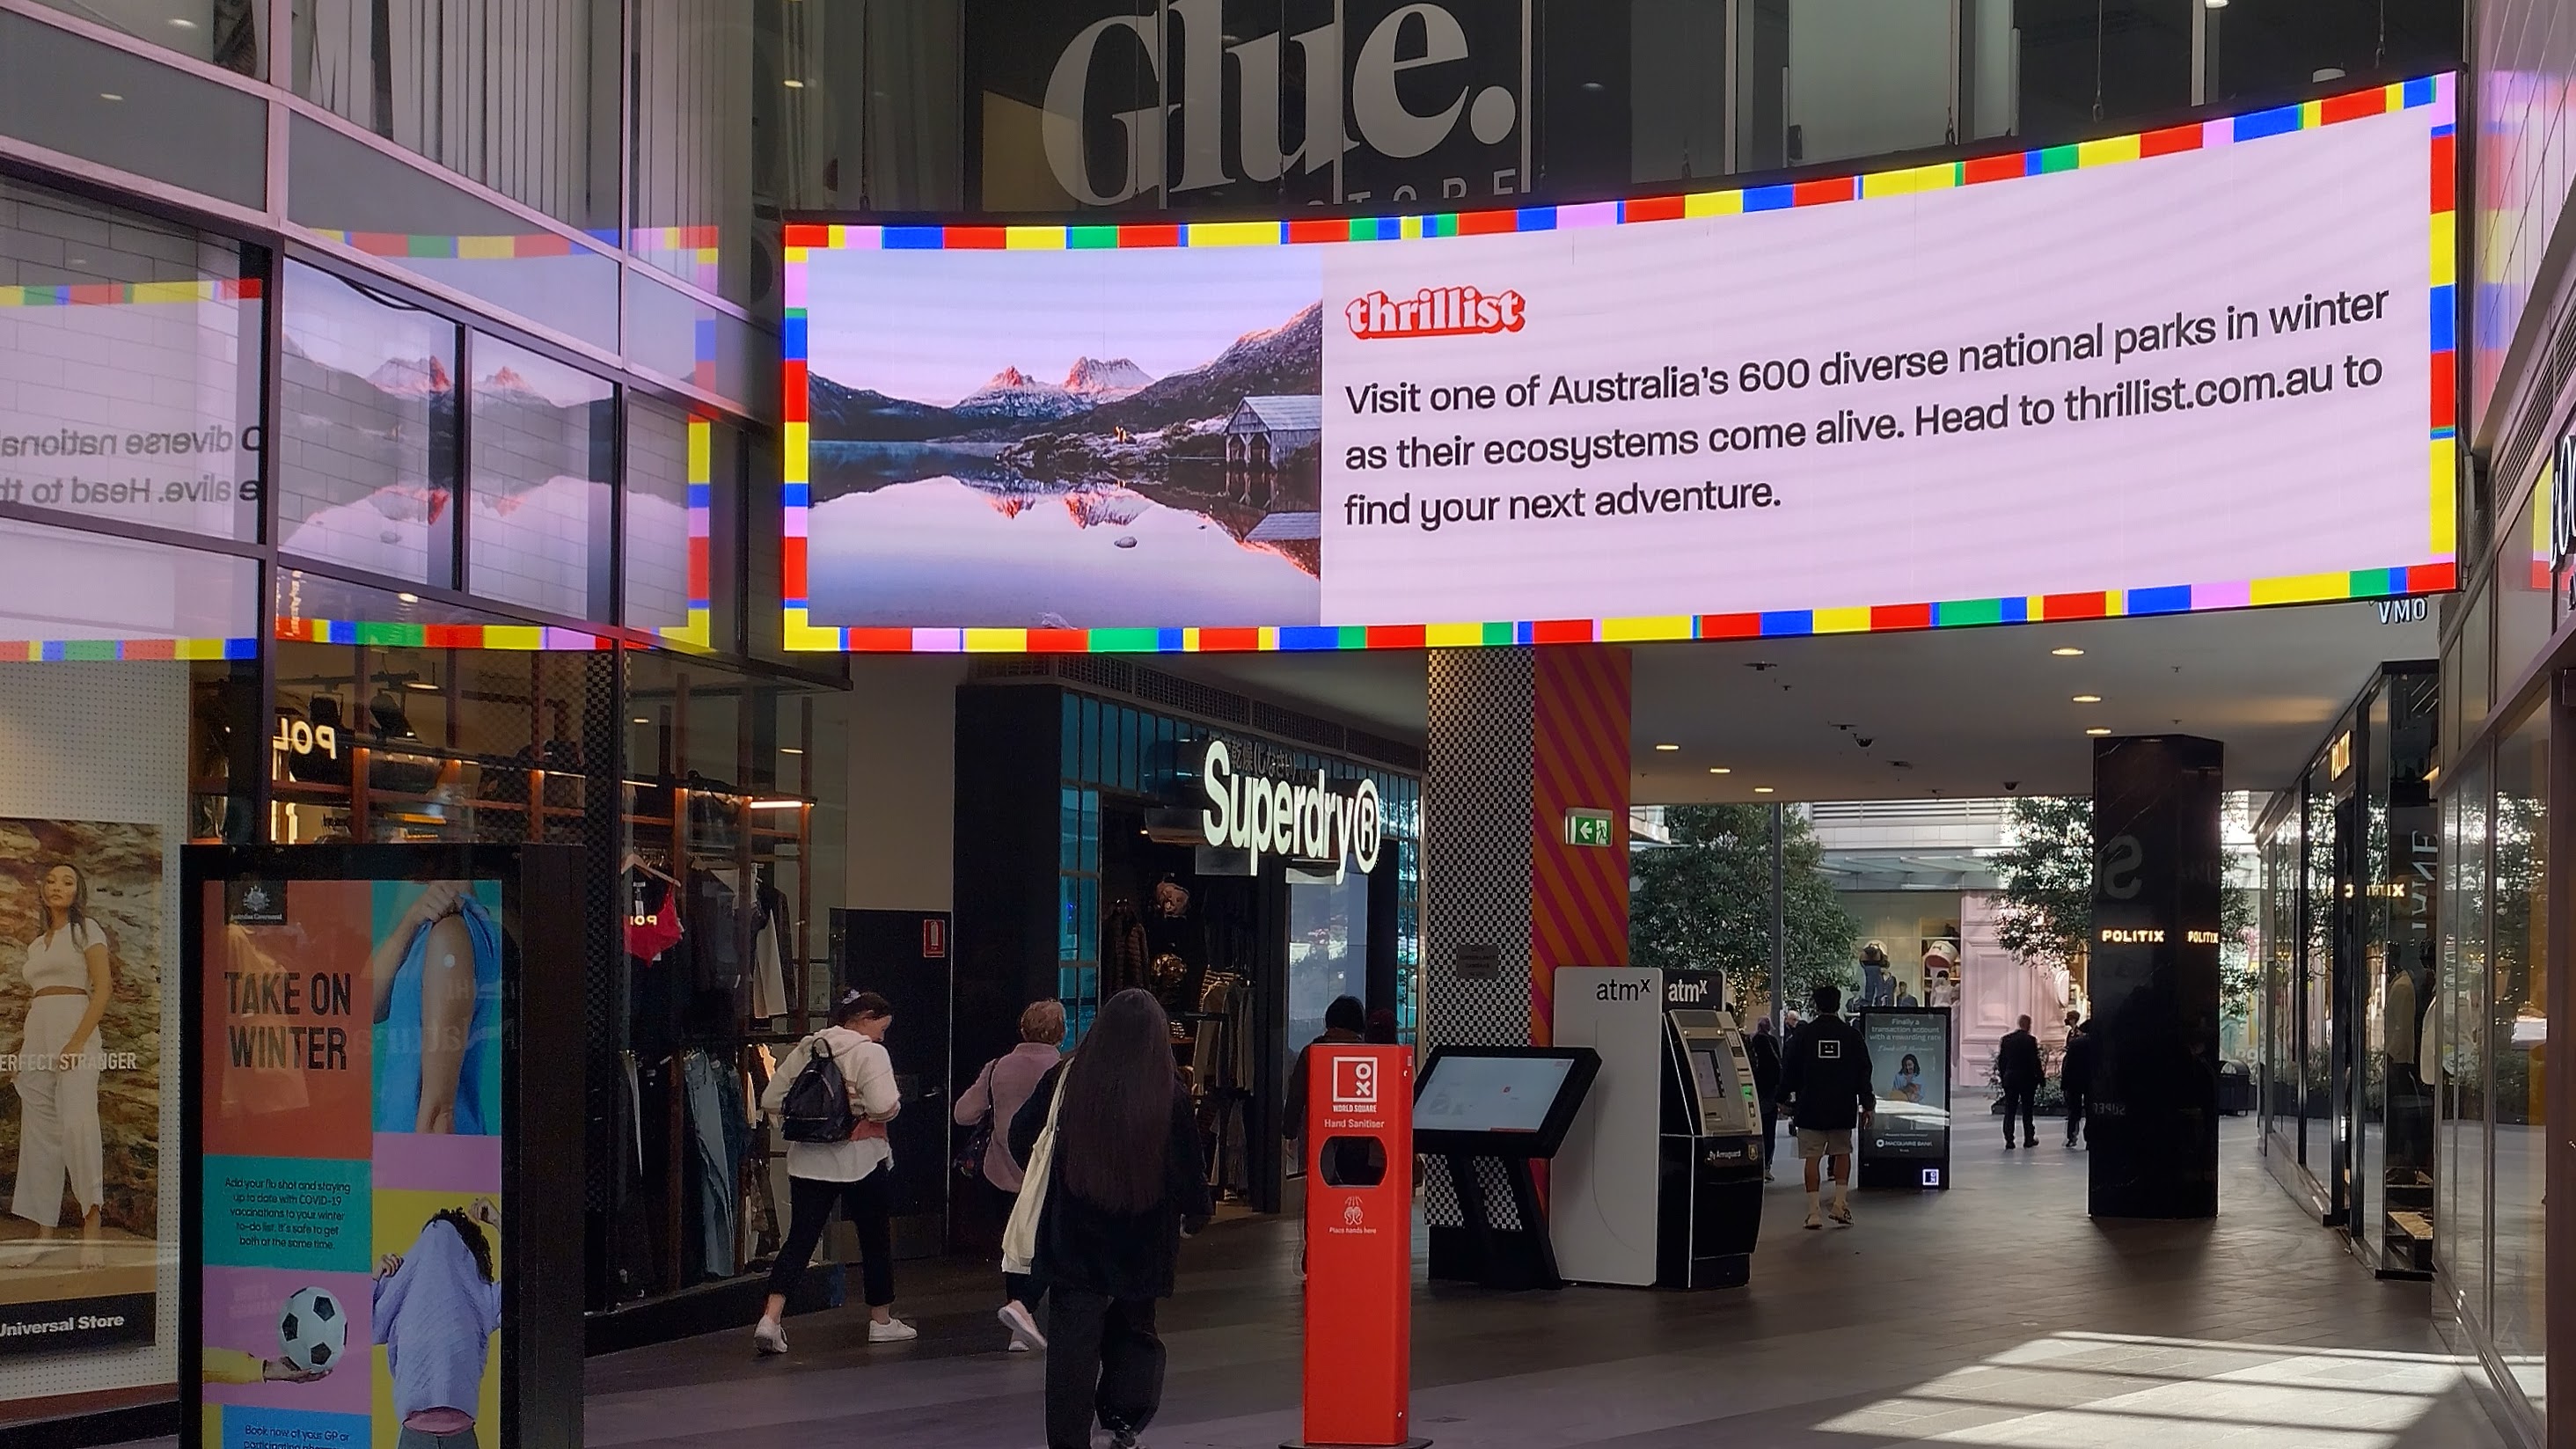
{"x": 1084, "y": 793}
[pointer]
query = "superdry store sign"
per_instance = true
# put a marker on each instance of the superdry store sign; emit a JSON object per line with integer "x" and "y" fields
{"x": 1201, "y": 103}
{"x": 1315, "y": 820}
{"x": 2200, "y": 368}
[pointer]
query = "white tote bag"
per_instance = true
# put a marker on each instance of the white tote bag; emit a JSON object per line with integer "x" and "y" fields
{"x": 1020, "y": 1235}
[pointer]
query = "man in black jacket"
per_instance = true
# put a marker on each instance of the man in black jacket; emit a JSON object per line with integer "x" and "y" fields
{"x": 1763, "y": 1048}
{"x": 2075, "y": 1075}
{"x": 2017, "y": 1064}
{"x": 1825, "y": 1077}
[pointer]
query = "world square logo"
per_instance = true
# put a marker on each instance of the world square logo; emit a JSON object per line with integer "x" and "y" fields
{"x": 1354, "y": 1084}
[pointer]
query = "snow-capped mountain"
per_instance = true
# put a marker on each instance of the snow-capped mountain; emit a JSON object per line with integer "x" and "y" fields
{"x": 1013, "y": 394}
{"x": 1105, "y": 381}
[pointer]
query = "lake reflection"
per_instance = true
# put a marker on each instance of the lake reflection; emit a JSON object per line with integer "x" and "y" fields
{"x": 942, "y": 552}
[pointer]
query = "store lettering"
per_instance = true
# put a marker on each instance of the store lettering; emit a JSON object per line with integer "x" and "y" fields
{"x": 1408, "y": 45}
{"x": 298, "y": 737}
{"x": 1289, "y": 817}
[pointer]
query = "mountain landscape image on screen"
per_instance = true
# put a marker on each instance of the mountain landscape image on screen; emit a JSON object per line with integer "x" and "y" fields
{"x": 1103, "y": 496}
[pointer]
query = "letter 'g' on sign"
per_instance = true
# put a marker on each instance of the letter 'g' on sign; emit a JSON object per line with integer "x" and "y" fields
{"x": 1354, "y": 1084}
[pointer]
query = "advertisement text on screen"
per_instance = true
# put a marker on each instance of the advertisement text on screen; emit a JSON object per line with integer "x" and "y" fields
{"x": 1435, "y": 312}
{"x": 1289, "y": 817}
{"x": 1412, "y": 49}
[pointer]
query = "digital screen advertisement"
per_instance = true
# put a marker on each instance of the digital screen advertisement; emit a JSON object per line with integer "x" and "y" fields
{"x": 80, "y": 1050}
{"x": 351, "y": 1189}
{"x": 2206, "y": 367}
{"x": 1489, "y": 1094}
{"x": 1910, "y": 1052}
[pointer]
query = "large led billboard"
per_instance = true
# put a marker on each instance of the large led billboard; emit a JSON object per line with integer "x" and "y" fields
{"x": 2197, "y": 368}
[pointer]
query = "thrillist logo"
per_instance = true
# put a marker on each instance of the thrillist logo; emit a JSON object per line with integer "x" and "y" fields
{"x": 1435, "y": 312}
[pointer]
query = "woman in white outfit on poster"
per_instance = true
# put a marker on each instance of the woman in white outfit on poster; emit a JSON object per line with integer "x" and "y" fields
{"x": 59, "y": 1057}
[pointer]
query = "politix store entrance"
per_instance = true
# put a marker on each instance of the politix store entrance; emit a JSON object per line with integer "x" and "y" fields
{"x": 1118, "y": 826}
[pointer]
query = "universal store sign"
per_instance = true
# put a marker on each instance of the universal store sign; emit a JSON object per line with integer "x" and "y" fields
{"x": 1303, "y": 820}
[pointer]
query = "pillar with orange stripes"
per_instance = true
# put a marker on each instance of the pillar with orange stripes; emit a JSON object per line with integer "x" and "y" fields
{"x": 1579, "y": 771}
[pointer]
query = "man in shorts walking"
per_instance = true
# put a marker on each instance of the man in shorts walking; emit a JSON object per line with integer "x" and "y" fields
{"x": 1825, "y": 1077}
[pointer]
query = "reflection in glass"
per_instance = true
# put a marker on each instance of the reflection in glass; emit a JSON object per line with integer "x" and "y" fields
{"x": 657, "y": 515}
{"x": 693, "y": 136}
{"x": 92, "y": 596}
{"x": 219, "y": 32}
{"x": 129, "y": 373}
{"x": 2518, "y": 1030}
{"x": 366, "y": 475}
{"x": 520, "y": 95}
{"x": 2463, "y": 1241}
{"x": 544, "y": 462}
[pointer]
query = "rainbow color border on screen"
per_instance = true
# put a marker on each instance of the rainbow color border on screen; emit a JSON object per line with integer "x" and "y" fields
{"x": 2436, "y": 572}
{"x": 390, "y": 634}
{"x": 54, "y": 651}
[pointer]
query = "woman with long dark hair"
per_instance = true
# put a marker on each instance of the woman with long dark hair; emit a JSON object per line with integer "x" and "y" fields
{"x": 59, "y": 1058}
{"x": 1126, "y": 1182}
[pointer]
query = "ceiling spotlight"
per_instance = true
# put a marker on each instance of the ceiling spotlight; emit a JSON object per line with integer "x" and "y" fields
{"x": 639, "y": 719}
{"x": 1727, "y": 770}
{"x": 1761, "y": 789}
{"x": 2066, "y": 651}
{"x": 181, "y": 22}
{"x": 789, "y": 750}
{"x": 1668, "y": 747}
{"x": 2088, "y": 699}
{"x": 796, "y": 85}
{"x": 2097, "y": 730}
{"x": 408, "y": 598}
{"x": 109, "y": 96}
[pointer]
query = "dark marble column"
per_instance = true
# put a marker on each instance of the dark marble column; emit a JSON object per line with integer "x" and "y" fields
{"x": 2154, "y": 976}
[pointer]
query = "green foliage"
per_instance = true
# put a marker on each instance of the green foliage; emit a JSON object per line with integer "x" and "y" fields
{"x": 1704, "y": 903}
{"x": 2045, "y": 916}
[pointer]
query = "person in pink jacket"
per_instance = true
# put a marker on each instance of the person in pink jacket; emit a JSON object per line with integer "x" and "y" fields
{"x": 999, "y": 1089}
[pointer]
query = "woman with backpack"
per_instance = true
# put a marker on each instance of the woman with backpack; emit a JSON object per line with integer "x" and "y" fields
{"x": 1121, "y": 1182}
{"x": 832, "y": 1097}
{"x": 1000, "y": 1090}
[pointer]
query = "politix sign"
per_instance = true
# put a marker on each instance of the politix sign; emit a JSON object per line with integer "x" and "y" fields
{"x": 1304, "y": 818}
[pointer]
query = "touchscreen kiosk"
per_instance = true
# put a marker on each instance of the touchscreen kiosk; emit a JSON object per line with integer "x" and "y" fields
{"x": 1486, "y": 1113}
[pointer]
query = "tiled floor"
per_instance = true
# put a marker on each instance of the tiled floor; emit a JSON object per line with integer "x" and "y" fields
{"x": 1995, "y": 1314}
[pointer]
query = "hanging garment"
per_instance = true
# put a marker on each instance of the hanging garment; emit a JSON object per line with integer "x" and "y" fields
{"x": 398, "y": 1034}
{"x": 652, "y": 917}
{"x": 1125, "y": 950}
{"x": 769, "y": 970}
{"x": 708, "y": 1146}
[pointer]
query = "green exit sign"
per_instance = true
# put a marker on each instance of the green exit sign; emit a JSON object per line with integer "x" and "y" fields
{"x": 1589, "y": 827}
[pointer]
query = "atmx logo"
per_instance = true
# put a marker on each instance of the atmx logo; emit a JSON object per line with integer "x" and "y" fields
{"x": 1354, "y": 1084}
{"x": 1435, "y": 312}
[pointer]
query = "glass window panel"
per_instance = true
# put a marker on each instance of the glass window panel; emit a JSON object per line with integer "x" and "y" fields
{"x": 694, "y": 96}
{"x": 227, "y": 33}
{"x": 129, "y": 367}
{"x": 367, "y": 465}
{"x": 682, "y": 339}
{"x": 656, "y": 525}
{"x": 2522, "y": 589}
{"x": 2467, "y": 1051}
{"x": 1069, "y": 739}
{"x": 544, "y": 446}
{"x": 520, "y": 95}
{"x": 73, "y": 595}
{"x": 351, "y": 193}
{"x": 2518, "y": 1031}
{"x": 875, "y": 124}
{"x": 72, "y": 94}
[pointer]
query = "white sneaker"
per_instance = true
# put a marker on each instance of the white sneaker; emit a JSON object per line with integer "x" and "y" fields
{"x": 1023, "y": 1325}
{"x": 1813, "y": 1221}
{"x": 893, "y": 1330}
{"x": 768, "y": 1338}
{"x": 1842, "y": 1213}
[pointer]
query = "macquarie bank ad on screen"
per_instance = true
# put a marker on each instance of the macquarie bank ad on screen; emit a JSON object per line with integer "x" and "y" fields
{"x": 2203, "y": 368}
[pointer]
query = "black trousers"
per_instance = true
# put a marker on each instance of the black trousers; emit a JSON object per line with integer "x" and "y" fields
{"x": 2023, "y": 1100}
{"x": 1102, "y": 1360}
{"x": 1770, "y": 1134}
{"x": 1020, "y": 1288}
{"x": 2076, "y": 1103}
{"x": 867, "y": 1203}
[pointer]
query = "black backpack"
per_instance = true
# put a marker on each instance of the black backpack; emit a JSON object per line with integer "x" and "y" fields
{"x": 818, "y": 1102}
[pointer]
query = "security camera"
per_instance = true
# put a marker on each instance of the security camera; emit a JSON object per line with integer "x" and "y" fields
{"x": 2011, "y": 785}
{"x": 1864, "y": 741}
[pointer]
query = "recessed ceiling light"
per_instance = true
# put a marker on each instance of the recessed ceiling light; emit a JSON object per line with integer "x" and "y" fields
{"x": 408, "y": 598}
{"x": 1761, "y": 789}
{"x": 639, "y": 719}
{"x": 1721, "y": 770}
{"x": 109, "y": 96}
{"x": 2066, "y": 651}
{"x": 1668, "y": 747}
{"x": 796, "y": 85}
{"x": 182, "y": 22}
{"x": 2097, "y": 730}
{"x": 2088, "y": 699}
{"x": 789, "y": 750}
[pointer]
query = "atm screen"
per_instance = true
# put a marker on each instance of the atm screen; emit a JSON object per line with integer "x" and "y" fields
{"x": 1712, "y": 1084}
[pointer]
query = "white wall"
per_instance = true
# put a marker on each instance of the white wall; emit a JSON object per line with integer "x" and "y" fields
{"x": 898, "y": 724}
